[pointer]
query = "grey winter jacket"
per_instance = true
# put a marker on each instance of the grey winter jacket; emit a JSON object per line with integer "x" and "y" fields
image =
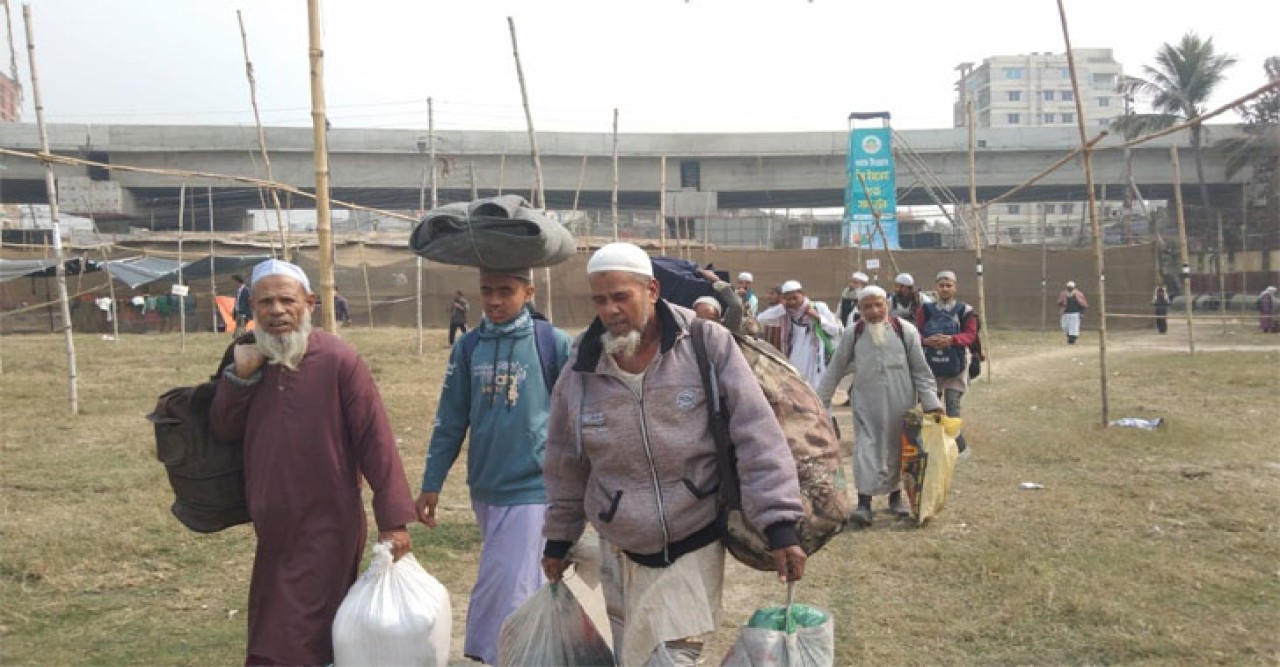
{"x": 644, "y": 471}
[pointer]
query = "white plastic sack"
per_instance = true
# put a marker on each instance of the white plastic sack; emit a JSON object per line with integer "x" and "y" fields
{"x": 551, "y": 630}
{"x": 395, "y": 614}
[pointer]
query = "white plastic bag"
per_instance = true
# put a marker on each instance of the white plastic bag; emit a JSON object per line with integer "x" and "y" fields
{"x": 791, "y": 636}
{"x": 395, "y": 614}
{"x": 551, "y": 630}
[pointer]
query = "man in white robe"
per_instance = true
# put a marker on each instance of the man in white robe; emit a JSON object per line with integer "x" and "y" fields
{"x": 808, "y": 330}
{"x": 890, "y": 375}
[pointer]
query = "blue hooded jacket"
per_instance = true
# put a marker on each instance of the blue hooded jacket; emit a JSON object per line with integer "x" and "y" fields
{"x": 498, "y": 394}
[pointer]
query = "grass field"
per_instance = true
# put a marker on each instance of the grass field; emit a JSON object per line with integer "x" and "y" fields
{"x": 1157, "y": 548}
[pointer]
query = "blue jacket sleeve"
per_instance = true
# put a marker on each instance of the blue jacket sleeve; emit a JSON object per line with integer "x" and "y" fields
{"x": 453, "y": 418}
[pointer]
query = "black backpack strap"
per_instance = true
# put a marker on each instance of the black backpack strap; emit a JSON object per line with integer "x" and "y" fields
{"x": 718, "y": 420}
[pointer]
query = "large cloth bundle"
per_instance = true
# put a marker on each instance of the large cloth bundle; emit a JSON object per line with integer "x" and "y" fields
{"x": 814, "y": 445}
{"x": 494, "y": 232}
{"x": 929, "y": 454}
{"x": 395, "y": 614}
{"x": 206, "y": 474}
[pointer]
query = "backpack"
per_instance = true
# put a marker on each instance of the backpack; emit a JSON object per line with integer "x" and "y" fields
{"x": 950, "y": 361}
{"x": 206, "y": 474}
{"x": 544, "y": 339}
{"x": 811, "y": 438}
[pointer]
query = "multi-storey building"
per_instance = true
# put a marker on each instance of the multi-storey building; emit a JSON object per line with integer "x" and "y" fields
{"x": 1034, "y": 90}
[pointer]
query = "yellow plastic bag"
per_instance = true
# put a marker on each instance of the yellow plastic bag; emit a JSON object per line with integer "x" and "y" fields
{"x": 929, "y": 454}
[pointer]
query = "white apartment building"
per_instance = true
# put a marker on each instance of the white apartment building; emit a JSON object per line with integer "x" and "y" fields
{"x": 1034, "y": 90}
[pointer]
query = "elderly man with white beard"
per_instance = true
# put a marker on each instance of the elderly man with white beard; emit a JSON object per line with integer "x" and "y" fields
{"x": 890, "y": 375}
{"x": 629, "y": 448}
{"x": 312, "y": 422}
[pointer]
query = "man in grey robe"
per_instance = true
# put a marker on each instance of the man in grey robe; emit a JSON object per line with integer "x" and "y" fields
{"x": 890, "y": 375}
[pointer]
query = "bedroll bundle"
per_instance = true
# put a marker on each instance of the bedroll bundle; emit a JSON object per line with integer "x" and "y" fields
{"x": 494, "y": 232}
{"x": 814, "y": 445}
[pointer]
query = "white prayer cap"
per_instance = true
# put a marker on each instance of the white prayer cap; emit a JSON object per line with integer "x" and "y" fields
{"x": 1071, "y": 283}
{"x": 871, "y": 290}
{"x": 746, "y": 277}
{"x": 791, "y": 286}
{"x": 946, "y": 275}
{"x": 275, "y": 267}
{"x": 710, "y": 301}
{"x": 858, "y": 275}
{"x": 905, "y": 279}
{"x": 621, "y": 257}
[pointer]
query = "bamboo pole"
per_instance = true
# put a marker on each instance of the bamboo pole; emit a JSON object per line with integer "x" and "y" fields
{"x": 471, "y": 175}
{"x": 662, "y": 205}
{"x": 539, "y": 185}
{"x": 182, "y": 300}
{"x": 324, "y": 229}
{"x": 613, "y": 198}
{"x": 1044, "y": 270}
{"x": 1182, "y": 249}
{"x": 979, "y": 240}
{"x": 875, "y": 217}
{"x": 262, "y": 138}
{"x": 60, "y": 272}
{"x": 577, "y": 192}
{"x": 111, "y": 291}
{"x": 213, "y": 278}
{"x": 1099, "y": 259}
{"x": 368, "y": 293}
{"x": 428, "y": 177}
{"x": 528, "y": 117}
{"x": 706, "y": 230}
{"x": 1222, "y": 276}
{"x": 502, "y": 169}
{"x": 1244, "y": 234}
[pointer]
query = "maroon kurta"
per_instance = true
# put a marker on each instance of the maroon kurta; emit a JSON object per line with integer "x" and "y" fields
{"x": 308, "y": 435}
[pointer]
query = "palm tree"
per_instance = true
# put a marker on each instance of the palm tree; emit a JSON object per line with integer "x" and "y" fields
{"x": 1182, "y": 80}
{"x": 1260, "y": 147}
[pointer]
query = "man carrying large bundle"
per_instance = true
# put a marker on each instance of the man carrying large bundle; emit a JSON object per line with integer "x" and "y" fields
{"x": 890, "y": 376}
{"x": 306, "y": 408}
{"x": 630, "y": 449}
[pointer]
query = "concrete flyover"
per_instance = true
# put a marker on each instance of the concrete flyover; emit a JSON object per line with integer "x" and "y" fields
{"x": 385, "y": 167}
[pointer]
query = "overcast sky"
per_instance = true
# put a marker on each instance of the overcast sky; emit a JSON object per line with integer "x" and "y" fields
{"x": 667, "y": 65}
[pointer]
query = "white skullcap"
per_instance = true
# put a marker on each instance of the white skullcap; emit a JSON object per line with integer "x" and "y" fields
{"x": 621, "y": 257}
{"x": 858, "y": 275}
{"x": 709, "y": 300}
{"x": 790, "y": 286}
{"x": 746, "y": 277}
{"x": 871, "y": 290}
{"x": 948, "y": 275}
{"x": 1071, "y": 283}
{"x": 275, "y": 267}
{"x": 905, "y": 279}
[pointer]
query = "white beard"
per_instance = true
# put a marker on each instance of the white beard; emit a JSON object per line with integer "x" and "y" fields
{"x": 286, "y": 350}
{"x": 879, "y": 332}
{"x": 624, "y": 345}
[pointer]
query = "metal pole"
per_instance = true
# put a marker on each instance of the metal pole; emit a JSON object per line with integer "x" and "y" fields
{"x": 324, "y": 229}
{"x": 60, "y": 272}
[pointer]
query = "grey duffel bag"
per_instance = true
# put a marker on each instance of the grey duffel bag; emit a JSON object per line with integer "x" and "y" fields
{"x": 493, "y": 232}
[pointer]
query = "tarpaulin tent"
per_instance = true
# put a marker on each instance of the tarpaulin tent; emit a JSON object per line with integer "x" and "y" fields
{"x": 11, "y": 269}
{"x": 136, "y": 271}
